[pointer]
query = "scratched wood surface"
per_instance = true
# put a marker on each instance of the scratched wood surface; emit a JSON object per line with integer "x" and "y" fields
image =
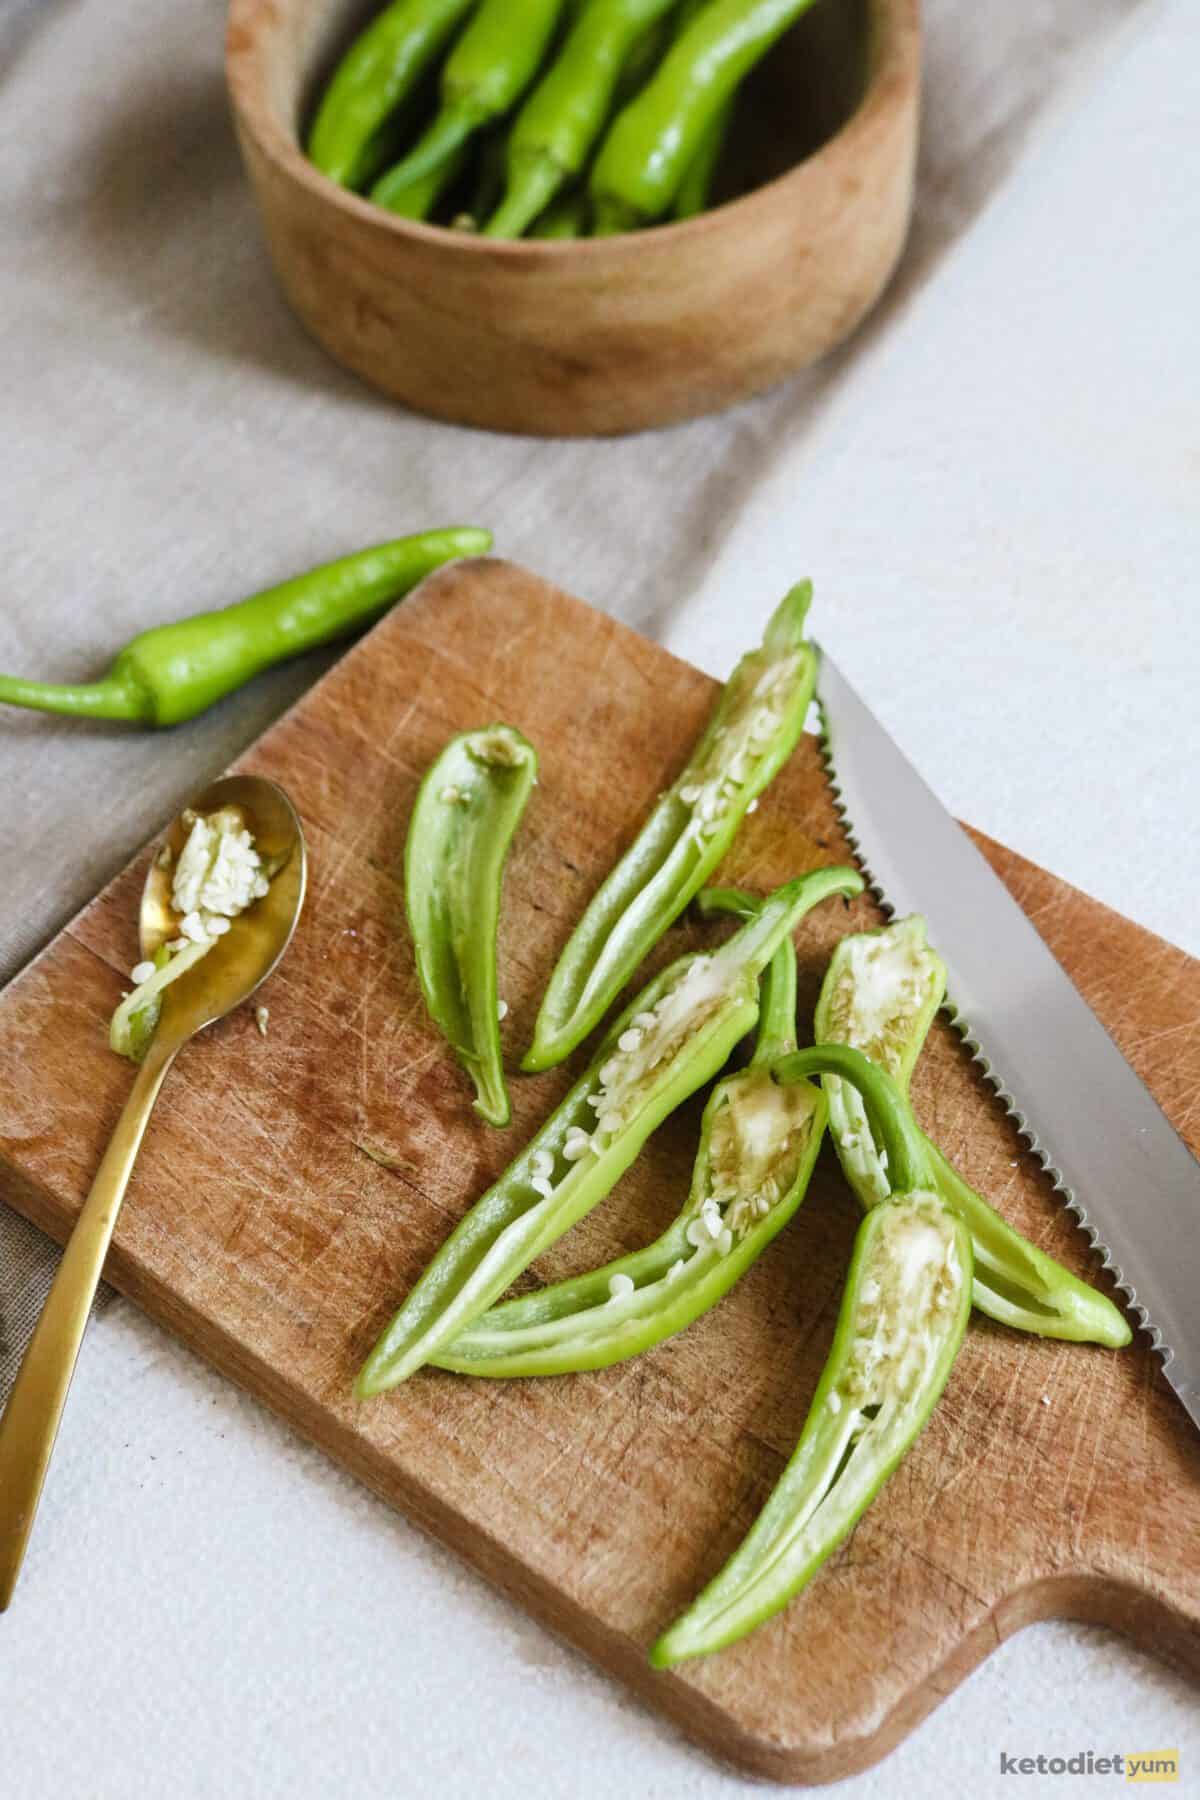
{"x": 290, "y": 1190}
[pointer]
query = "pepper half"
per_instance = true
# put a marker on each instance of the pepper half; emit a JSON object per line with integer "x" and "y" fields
{"x": 902, "y": 1319}
{"x": 467, "y": 809}
{"x": 752, "y": 731}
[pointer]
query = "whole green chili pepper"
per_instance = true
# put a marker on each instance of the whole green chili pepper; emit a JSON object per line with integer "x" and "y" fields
{"x": 645, "y": 156}
{"x": 696, "y": 186}
{"x": 417, "y": 199}
{"x": 485, "y": 74}
{"x": 753, "y": 729}
{"x": 903, "y": 1314}
{"x": 565, "y": 217}
{"x": 381, "y": 68}
{"x": 467, "y": 809}
{"x": 669, "y": 1041}
{"x": 758, "y": 1144}
{"x": 565, "y": 113}
{"x": 172, "y": 672}
{"x": 880, "y": 994}
{"x": 488, "y": 182}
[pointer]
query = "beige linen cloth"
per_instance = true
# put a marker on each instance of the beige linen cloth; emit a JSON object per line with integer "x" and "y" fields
{"x": 172, "y": 440}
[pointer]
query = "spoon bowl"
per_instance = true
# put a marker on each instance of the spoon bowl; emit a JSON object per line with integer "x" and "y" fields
{"x": 227, "y": 975}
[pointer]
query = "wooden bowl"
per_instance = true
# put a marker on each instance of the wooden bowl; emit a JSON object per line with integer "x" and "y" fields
{"x": 611, "y": 334}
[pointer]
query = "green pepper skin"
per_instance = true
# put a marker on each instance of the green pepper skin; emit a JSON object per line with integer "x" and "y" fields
{"x": 678, "y": 847}
{"x": 1019, "y": 1285}
{"x": 566, "y": 218}
{"x": 842, "y": 1459}
{"x": 696, "y": 186}
{"x": 1015, "y": 1282}
{"x": 565, "y": 113}
{"x": 515, "y": 1221}
{"x": 381, "y": 68}
{"x": 172, "y": 672}
{"x": 485, "y": 74}
{"x": 467, "y": 809}
{"x": 644, "y": 159}
{"x": 580, "y": 1323}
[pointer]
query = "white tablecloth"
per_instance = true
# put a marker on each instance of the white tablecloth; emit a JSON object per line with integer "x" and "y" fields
{"x": 995, "y": 490}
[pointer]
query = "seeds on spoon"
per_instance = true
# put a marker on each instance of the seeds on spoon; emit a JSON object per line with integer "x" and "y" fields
{"x": 218, "y": 874}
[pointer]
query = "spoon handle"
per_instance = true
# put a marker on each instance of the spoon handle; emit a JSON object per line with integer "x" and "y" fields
{"x": 35, "y": 1406}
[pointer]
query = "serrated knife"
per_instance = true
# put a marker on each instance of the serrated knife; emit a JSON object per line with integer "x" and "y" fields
{"x": 1127, "y": 1176}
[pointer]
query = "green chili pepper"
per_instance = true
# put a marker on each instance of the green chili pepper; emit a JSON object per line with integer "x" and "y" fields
{"x": 485, "y": 74}
{"x": 758, "y": 1144}
{"x": 417, "y": 199}
{"x": 903, "y": 1314}
{"x": 488, "y": 183}
{"x": 670, "y": 1040}
{"x": 381, "y": 68}
{"x": 172, "y": 672}
{"x": 566, "y": 217}
{"x": 649, "y": 49}
{"x": 467, "y": 809}
{"x": 751, "y": 732}
{"x": 565, "y": 113}
{"x": 645, "y": 156}
{"x": 696, "y": 186}
{"x": 880, "y": 994}
{"x": 136, "y": 1019}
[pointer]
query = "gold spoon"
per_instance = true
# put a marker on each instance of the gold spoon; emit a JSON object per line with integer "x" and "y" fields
{"x": 225, "y": 977}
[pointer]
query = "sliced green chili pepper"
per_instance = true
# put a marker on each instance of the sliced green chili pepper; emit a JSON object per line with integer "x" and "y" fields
{"x": 751, "y": 732}
{"x": 880, "y": 994}
{"x": 669, "y": 1041}
{"x": 565, "y": 113}
{"x": 380, "y": 69}
{"x": 485, "y": 74}
{"x": 645, "y": 156}
{"x": 136, "y": 1019}
{"x": 758, "y": 1144}
{"x": 903, "y": 1314}
{"x": 172, "y": 672}
{"x": 467, "y": 809}
{"x": 696, "y": 186}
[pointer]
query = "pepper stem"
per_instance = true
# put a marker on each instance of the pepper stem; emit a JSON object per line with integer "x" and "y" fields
{"x": 529, "y": 193}
{"x": 453, "y": 126}
{"x": 909, "y": 1163}
{"x": 776, "y": 1035}
{"x": 410, "y": 199}
{"x": 111, "y": 698}
{"x": 777, "y": 916}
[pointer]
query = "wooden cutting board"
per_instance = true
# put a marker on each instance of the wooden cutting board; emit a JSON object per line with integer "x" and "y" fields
{"x": 290, "y": 1190}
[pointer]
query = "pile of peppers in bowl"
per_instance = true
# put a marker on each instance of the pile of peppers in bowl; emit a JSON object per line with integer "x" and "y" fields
{"x": 542, "y": 117}
{"x": 928, "y": 1247}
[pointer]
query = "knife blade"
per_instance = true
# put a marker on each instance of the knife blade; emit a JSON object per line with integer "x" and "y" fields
{"x": 1130, "y": 1180}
